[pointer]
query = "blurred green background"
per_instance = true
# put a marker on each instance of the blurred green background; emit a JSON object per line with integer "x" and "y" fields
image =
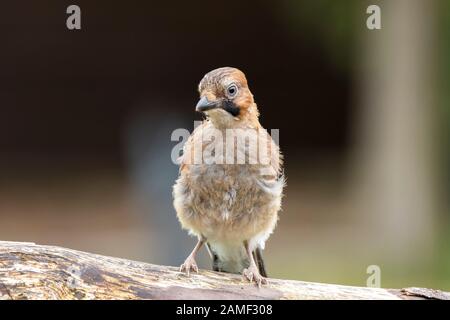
{"x": 363, "y": 116}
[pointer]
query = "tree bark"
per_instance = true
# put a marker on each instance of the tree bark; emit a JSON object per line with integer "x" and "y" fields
{"x": 30, "y": 271}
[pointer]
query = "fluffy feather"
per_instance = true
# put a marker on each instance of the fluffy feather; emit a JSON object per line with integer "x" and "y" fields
{"x": 229, "y": 204}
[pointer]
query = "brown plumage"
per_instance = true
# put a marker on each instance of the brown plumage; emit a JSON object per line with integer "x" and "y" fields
{"x": 230, "y": 195}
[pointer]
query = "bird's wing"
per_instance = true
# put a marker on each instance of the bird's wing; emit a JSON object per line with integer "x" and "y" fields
{"x": 275, "y": 158}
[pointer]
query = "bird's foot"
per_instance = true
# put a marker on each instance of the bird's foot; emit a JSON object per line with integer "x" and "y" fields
{"x": 252, "y": 274}
{"x": 189, "y": 265}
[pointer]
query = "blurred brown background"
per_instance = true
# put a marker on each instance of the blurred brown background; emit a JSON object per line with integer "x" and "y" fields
{"x": 86, "y": 119}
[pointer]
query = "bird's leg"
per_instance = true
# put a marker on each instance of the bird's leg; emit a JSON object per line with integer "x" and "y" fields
{"x": 252, "y": 272}
{"x": 190, "y": 264}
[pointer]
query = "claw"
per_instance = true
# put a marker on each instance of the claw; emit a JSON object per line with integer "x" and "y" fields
{"x": 252, "y": 275}
{"x": 188, "y": 265}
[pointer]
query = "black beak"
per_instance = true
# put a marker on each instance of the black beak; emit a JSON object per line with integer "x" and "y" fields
{"x": 204, "y": 105}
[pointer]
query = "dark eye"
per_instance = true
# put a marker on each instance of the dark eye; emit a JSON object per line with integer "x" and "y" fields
{"x": 232, "y": 90}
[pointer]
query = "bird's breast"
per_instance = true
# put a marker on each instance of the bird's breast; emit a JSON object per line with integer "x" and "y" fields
{"x": 223, "y": 196}
{"x": 226, "y": 200}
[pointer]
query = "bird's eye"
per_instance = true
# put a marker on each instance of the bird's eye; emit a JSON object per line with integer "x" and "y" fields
{"x": 232, "y": 90}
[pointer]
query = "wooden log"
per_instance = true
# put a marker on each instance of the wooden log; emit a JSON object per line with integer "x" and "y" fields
{"x": 30, "y": 271}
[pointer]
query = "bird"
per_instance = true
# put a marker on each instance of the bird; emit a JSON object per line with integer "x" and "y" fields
{"x": 231, "y": 205}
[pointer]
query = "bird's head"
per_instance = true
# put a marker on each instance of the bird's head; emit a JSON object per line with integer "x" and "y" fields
{"x": 225, "y": 97}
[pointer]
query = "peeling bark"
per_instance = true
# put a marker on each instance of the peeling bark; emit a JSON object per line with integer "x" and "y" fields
{"x": 30, "y": 271}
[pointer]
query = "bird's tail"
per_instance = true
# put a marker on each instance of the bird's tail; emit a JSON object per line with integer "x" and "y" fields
{"x": 257, "y": 255}
{"x": 233, "y": 259}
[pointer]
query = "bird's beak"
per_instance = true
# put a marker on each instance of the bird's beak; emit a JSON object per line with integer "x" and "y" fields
{"x": 204, "y": 104}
